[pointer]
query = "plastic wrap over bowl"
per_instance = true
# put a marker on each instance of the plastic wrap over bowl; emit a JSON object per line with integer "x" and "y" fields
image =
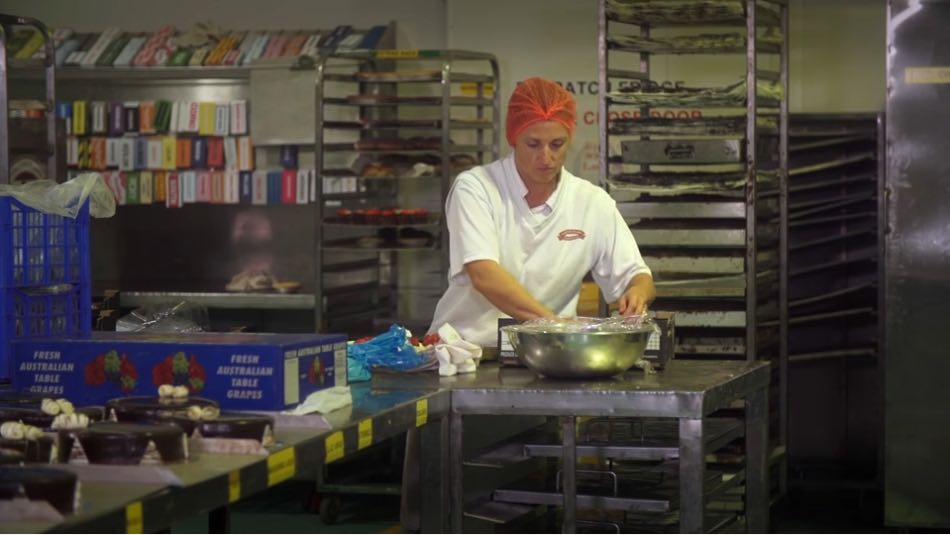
{"x": 580, "y": 348}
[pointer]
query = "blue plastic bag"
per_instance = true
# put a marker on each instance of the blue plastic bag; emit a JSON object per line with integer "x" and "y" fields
{"x": 388, "y": 350}
{"x": 356, "y": 371}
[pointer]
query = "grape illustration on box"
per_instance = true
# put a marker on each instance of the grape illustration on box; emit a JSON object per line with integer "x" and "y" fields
{"x": 179, "y": 370}
{"x": 113, "y": 369}
{"x": 317, "y": 372}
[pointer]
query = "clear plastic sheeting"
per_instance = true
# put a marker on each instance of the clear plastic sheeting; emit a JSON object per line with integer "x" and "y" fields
{"x": 769, "y": 94}
{"x": 582, "y": 324}
{"x": 729, "y": 184}
{"x": 180, "y": 317}
{"x": 702, "y": 126}
{"x": 67, "y": 198}
{"x": 677, "y": 11}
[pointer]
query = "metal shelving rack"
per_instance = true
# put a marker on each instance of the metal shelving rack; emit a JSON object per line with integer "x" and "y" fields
{"x": 701, "y": 174}
{"x": 7, "y": 22}
{"x": 387, "y": 103}
{"x": 836, "y": 294}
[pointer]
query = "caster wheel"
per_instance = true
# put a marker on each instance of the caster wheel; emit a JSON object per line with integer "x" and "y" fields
{"x": 330, "y": 509}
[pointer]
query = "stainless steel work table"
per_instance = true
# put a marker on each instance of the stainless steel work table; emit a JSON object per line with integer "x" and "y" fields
{"x": 210, "y": 482}
{"x": 104, "y": 508}
{"x": 687, "y": 390}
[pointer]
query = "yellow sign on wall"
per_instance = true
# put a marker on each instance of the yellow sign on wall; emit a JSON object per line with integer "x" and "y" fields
{"x": 927, "y": 75}
{"x": 470, "y": 89}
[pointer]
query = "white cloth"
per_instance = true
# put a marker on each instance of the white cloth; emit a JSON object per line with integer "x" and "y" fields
{"x": 455, "y": 355}
{"x": 324, "y": 401}
{"x": 489, "y": 219}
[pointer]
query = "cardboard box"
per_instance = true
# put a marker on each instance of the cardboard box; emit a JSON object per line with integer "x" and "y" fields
{"x": 242, "y": 371}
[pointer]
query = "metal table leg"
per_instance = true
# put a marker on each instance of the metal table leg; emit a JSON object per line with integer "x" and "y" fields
{"x": 692, "y": 472}
{"x": 569, "y": 492}
{"x": 757, "y": 469}
{"x": 455, "y": 471}
{"x": 434, "y": 468}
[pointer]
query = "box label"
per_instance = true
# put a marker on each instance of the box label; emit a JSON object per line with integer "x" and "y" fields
{"x": 264, "y": 372}
{"x": 291, "y": 381}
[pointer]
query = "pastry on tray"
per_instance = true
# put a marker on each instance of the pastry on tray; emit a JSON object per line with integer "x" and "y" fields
{"x": 58, "y": 487}
{"x": 43, "y": 412}
{"x": 32, "y": 443}
{"x": 251, "y": 281}
{"x": 175, "y": 406}
{"x": 377, "y": 170}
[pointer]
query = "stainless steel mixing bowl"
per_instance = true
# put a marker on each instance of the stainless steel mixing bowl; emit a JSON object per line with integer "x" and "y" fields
{"x": 578, "y": 355}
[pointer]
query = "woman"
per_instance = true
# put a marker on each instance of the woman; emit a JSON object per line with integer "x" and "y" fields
{"x": 523, "y": 231}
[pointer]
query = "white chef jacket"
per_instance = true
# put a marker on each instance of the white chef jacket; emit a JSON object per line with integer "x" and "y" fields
{"x": 548, "y": 250}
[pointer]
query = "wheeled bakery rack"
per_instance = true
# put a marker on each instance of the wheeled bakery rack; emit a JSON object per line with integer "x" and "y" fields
{"x": 836, "y": 292}
{"x": 698, "y": 168}
{"x": 397, "y": 126}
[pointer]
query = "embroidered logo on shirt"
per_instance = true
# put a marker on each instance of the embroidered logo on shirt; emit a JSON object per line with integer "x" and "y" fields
{"x": 571, "y": 234}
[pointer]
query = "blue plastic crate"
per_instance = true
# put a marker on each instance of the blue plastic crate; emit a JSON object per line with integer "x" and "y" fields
{"x": 38, "y": 249}
{"x": 45, "y": 280}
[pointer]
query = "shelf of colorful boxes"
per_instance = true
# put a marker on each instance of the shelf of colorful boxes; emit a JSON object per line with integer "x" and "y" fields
{"x": 204, "y": 45}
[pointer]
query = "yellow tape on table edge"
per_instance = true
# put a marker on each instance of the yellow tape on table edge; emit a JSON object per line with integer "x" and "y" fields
{"x": 134, "y": 518}
{"x": 281, "y": 466}
{"x": 365, "y": 434}
{"x": 422, "y": 412}
{"x": 333, "y": 447}
{"x": 234, "y": 486}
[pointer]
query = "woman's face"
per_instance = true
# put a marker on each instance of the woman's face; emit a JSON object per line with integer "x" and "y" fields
{"x": 540, "y": 151}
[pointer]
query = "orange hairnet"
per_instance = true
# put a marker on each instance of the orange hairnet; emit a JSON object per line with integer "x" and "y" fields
{"x": 537, "y": 99}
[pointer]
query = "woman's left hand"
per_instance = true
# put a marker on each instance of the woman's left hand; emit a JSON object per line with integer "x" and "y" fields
{"x": 634, "y": 301}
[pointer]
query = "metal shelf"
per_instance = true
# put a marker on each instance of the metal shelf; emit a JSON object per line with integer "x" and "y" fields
{"x": 413, "y": 101}
{"x": 376, "y": 114}
{"x": 221, "y": 300}
{"x": 452, "y": 149}
{"x": 434, "y": 127}
{"x": 418, "y": 79}
{"x": 132, "y": 74}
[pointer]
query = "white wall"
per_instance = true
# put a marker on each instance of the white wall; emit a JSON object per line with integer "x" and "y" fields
{"x": 836, "y": 62}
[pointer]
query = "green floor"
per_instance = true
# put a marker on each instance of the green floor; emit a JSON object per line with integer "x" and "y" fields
{"x": 285, "y": 509}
